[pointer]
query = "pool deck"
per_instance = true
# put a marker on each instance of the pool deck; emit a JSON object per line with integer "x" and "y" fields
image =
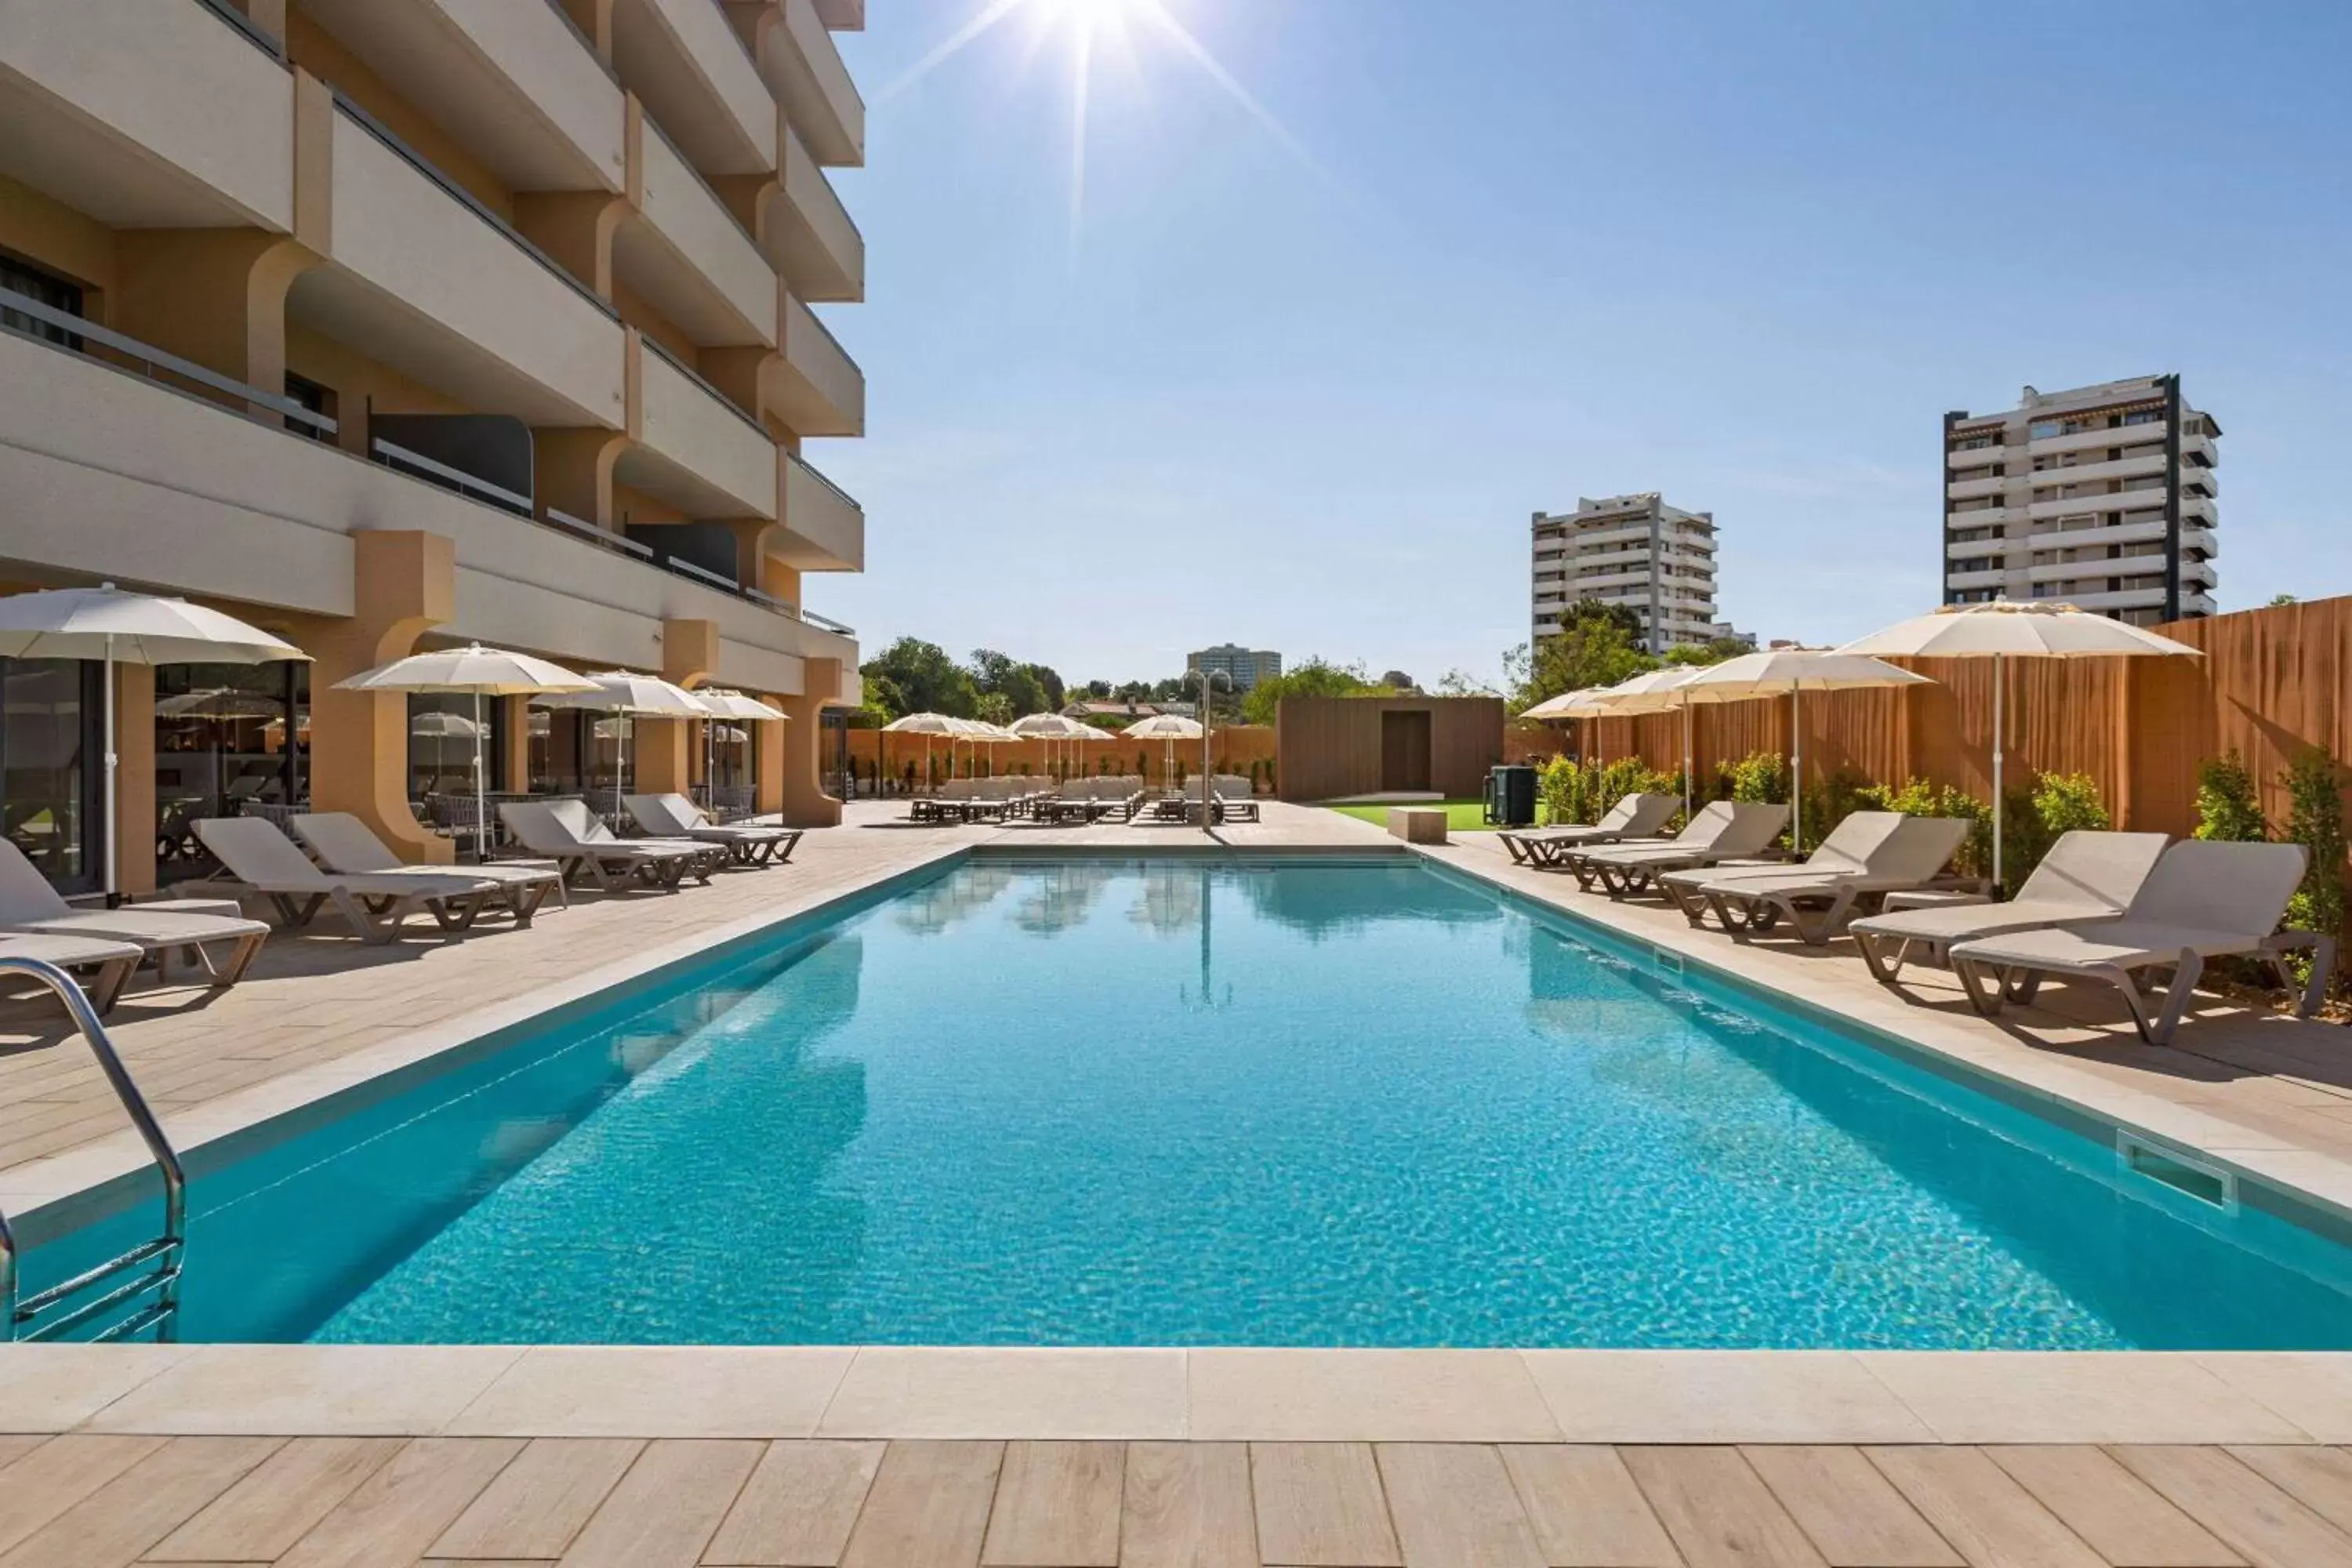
{"x": 349, "y": 1454}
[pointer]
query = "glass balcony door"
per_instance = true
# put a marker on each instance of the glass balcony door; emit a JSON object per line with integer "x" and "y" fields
{"x": 51, "y": 791}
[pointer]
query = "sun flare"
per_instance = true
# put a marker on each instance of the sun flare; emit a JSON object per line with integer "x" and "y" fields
{"x": 1082, "y": 27}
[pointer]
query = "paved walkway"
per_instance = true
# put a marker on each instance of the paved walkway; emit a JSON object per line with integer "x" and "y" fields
{"x": 629, "y": 1502}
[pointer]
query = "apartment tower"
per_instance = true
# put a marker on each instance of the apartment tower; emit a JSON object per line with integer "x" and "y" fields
{"x": 1656, "y": 560}
{"x": 389, "y": 324}
{"x": 1245, "y": 668}
{"x": 2102, "y": 497}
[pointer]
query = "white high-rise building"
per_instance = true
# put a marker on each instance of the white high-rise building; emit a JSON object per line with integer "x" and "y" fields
{"x": 2102, "y": 497}
{"x": 1656, "y": 560}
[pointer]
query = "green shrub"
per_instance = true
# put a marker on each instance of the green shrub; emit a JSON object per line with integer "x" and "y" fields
{"x": 1761, "y": 777}
{"x": 1918, "y": 797}
{"x": 2314, "y": 788}
{"x": 2227, "y": 808}
{"x": 1560, "y": 789}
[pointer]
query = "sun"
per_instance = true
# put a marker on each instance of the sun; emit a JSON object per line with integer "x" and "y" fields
{"x": 1083, "y": 24}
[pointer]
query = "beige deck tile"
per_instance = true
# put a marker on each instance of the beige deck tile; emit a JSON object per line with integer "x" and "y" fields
{"x": 1187, "y": 1505}
{"x": 539, "y": 1502}
{"x": 1719, "y": 1513}
{"x": 1073, "y": 1395}
{"x": 1057, "y": 1506}
{"x": 2059, "y": 1396}
{"x": 1854, "y": 1514}
{"x": 2313, "y": 1391}
{"x": 1320, "y": 1505}
{"x": 799, "y": 1506}
{"x": 1403, "y": 1396}
{"x": 2263, "y": 1523}
{"x": 928, "y": 1505}
{"x": 1995, "y": 1522}
{"x": 1584, "y": 1508}
{"x": 404, "y": 1505}
{"x": 1720, "y": 1396}
{"x": 309, "y": 1390}
{"x": 47, "y": 1388}
{"x": 2319, "y": 1479}
{"x": 14, "y": 1448}
{"x": 265, "y": 1513}
{"x": 54, "y": 1478}
{"x": 2118, "y": 1514}
{"x": 1454, "y": 1507}
{"x": 666, "y": 1509}
{"x": 123, "y": 1519}
{"x": 670, "y": 1390}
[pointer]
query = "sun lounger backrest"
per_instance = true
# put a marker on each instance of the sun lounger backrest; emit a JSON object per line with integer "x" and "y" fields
{"x": 1651, "y": 813}
{"x": 25, "y": 893}
{"x": 1708, "y": 824}
{"x": 545, "y": 826}
{"x": 344, "y": 842}
{"x": 1233, "y": 786}
{"x": 1850, "y": 845}
{"x": 1621, "y": 816}
{"x": 659, "y": 814}
{"x": 1918, "y": 848}
{"x": 2099, "y": 872}
{"x": 1754, "y": 824}
{"x": 255, "y": 852}
{"x": 2207, "y": 885}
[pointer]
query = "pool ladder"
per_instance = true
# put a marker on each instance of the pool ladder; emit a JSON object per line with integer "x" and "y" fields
{"x": 158, "y": 1261}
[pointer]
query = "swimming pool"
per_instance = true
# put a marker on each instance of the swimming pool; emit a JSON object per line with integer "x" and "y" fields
{"x": 1184, "y": 1103}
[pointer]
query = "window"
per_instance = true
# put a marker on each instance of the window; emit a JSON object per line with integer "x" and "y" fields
{"x": 2042, "y": 429}
{"x": 2145, "y": 417}
{"x": 317, "y": 399}
{"x": 44, "y": 288}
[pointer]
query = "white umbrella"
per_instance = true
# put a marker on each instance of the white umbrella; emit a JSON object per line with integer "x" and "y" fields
{"x": 109, "y": 625}
{"x": 1652, "y": 692}
{"x": 2004, "y": 630}
{"x": 218, "y": 702}
{"x": 625, "y": 692}
{"x": 441, "y": 726}
{"x": 928, "y": 725}
{"x": 724, "y": 703}
{"x": 1168, "y": 727}
{"x": 1048, "y": 727}
{"x": 1795, "y": 671}
{"x": 478, "y": 672}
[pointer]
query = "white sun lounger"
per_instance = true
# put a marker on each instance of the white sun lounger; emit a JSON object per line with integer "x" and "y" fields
{"x": 29, "y": 904}
{"x": 113, "y": 960}
{"x": 1723, "y": 831}
{"x": 343, "y": 843}
{"x": 2204, "y": 899}
{"x": 565, "y": 832}
{"x": 675, "y": 816}
{"x": 261, "y": 858}
{"x": 1635, "y": 816}
{"x": 1847, "y": 848}
{"x": 1901, "y": 853}
{"x": 2086, "y": 876}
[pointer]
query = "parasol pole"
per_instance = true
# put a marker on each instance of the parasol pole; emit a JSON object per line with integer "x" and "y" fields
{"x": 1797, "y": 767}
{"x": 106, "y": 829}
{"x": 481, "y": 822}
{"x": 1997, "y": 684}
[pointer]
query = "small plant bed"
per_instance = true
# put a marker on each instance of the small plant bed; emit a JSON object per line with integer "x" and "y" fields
{"x": 1461, "y": 815}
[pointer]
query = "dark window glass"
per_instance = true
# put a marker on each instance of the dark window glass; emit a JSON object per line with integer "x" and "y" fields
{"x": 47, "y": 288}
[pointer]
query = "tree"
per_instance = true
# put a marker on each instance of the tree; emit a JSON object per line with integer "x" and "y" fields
{"x": 2278, "y": 600}
{"x": 1098, "y": 690}
{"x": 995, "y": 708}
{"x": 912, "y": 676}
{"x": 1399, "y": 680}
{"x": 1459, "y": 682}
{"x": 1314, "y": 677}
{"x": 1713, "y": 651}
{"x": 1131, "y": 691}
{"x": 1590, "y": 651}
{"x": 996, "y": 675}
{"x": 1057, "y": 693}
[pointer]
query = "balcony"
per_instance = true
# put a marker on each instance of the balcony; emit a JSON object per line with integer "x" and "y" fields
{"x": 683, "y": 252}
{"x": 1961, "y": 461}
{"x": 802, "y": 68}
{"x": 823, "y": 529}
{"x": 807, "y": 232}
{"x": 123, "y": 477}
{"x": 90, "y": 115}
{"x": 683, "y": 59}
{"x": 2199, "y": 451}
{"x": 2126, "y": 436}
{"x": 2139, "y": 499}
{"x": 842, "y": 16}
{"x": 427, "y": 281}
{"x": 1612, "y": 533}
{"x": 1992, "y": 577}
{"x": 812, "y": 385}
{"x": 2140, "y": 465}
{"x": 1968, "y": 489}
{"x": 695, "y": 450}
{"x": 2147, "y": 598}
{"x": 514, "y": 84}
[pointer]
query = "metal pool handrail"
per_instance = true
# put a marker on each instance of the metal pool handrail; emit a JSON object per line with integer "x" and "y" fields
{"x": 165, "y": 1252}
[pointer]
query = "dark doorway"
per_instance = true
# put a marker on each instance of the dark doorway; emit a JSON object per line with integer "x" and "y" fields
{"x": 1404, "y": 752}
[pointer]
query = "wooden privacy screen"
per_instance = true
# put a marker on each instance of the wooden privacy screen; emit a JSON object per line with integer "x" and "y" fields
{"x": 1330, "y": 747}
{"x": 2272, "y": 683}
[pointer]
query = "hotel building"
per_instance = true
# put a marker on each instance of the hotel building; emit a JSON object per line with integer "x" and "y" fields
{"x": 1245, "y": 668}
{"x": 1656, "y": 560}
{"x": 389, "y": 324}
{"x": 2102, "y": 497}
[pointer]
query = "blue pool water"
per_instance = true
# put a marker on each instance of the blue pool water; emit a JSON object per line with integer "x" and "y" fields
{"x": 1162, "y": 1103}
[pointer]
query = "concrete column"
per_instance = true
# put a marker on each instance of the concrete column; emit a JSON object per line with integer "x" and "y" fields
{"x": 516, "y": 712}
{"x": 576, "y": 227}
{"x": 134, "y": 778}
{"x": 573, "y": 472}
{"x": 214, "y": 296}
{"x": 665, "y": 747}
{"x": 768, "y": 767}
{"x": 800, "y": 794}
{"x": 359, "y": 739}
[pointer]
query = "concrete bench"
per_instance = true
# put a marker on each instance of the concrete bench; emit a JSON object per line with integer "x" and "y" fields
{"x": 1417, "y": 824}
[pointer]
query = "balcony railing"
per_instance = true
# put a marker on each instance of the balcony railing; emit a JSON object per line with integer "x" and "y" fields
{"x": 466, "y": 198}
{"x": 473, "y": 487}
{"x": 697, "y": 378}
{"x": 244, "y": 25}
{"x": 825, "y": 624}
{"x": 812, "y": 471}
{"x": 153, "y": 359}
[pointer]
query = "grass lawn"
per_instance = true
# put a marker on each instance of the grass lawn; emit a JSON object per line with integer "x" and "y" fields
{"x": 1461, "y": 815}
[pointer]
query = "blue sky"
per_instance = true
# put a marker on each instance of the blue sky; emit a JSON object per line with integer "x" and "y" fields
{"x": 1306, "y": 395}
